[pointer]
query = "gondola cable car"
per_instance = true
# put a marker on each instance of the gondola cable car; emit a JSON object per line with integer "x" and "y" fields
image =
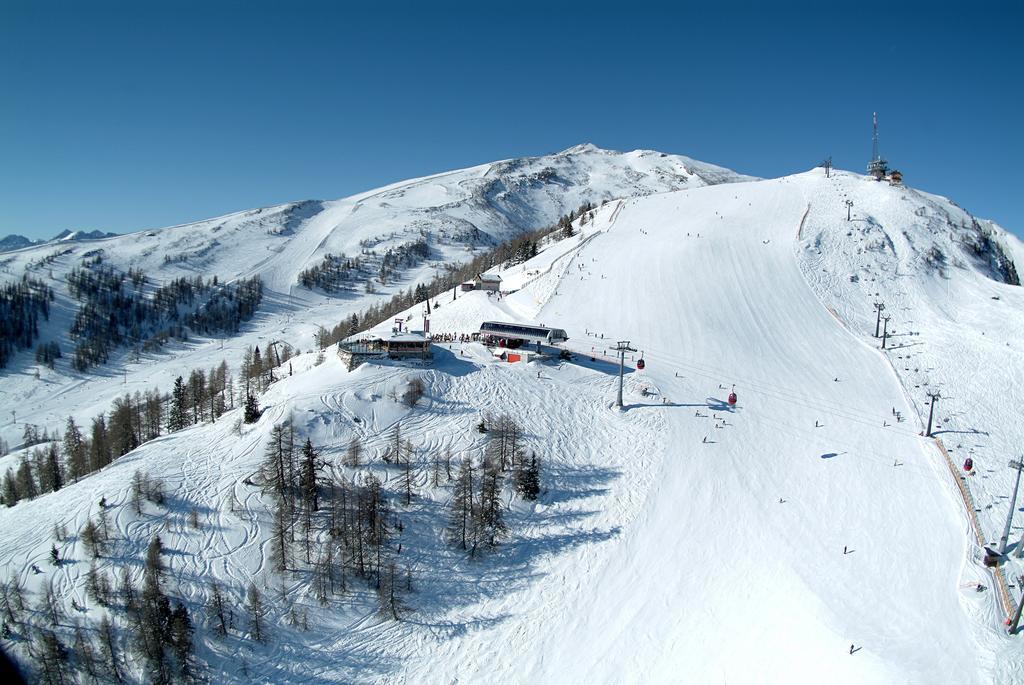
{"x": 640, "y": 363}
{"x": 732, "y": 396}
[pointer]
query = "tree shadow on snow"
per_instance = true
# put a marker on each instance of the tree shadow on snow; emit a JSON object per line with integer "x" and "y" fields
{"x": 454, "y": 588}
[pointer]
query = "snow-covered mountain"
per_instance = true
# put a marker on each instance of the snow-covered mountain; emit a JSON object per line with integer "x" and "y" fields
{"x": 455, "y": 214}
{"x": 16, "y": 242}
{"x": 70, "y": 236}
{"x": 811, "y": 529}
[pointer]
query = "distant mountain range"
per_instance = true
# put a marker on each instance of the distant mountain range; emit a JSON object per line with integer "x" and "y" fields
{"x": 16, "y": 242}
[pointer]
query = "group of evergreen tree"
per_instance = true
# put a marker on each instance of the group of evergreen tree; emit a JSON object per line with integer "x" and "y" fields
{"x": 476, "y": 517}
{"x": 163, "y": 633}
{"x": 336, "y": 527}
{"x": 334, "y": 274}
{"x": 21, "y": 306}
{"x": 132, "y": 420}
{"x": 406, "y": 255}
{"x": 227, "y": 308}
{"x": 48, "y": 353}
{"x": 138, "y": 418}
{"x": 257, "y": 371}
{"x": 118, "y": 309}
{"x": 61, "y": 650}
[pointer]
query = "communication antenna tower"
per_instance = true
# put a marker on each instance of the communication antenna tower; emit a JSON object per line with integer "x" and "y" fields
{"x": 878, "y": 167}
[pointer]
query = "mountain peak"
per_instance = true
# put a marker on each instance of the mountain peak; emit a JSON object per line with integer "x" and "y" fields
{"x": 582, "y": 148}
{"x": 67, "y": 235}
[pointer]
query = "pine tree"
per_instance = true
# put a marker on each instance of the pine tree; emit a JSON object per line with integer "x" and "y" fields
{"x": 16, "y": 597}
{"x": 104, "y": 520}
{"x": 153, "y": 618}
{"x": 353, "y": 455}
{"x": 308, "y": 490}
{"x": 92, "y": 538}
{"x": 11, "y": 494}
{"x": 323, "y": 574}
{"x": 128, "y": 594}
{"x": 85, "y": 655}
{"x": 490, "y": 517}
{"x": 461, "y": 521}
{"x": 137, "y": 489}
{"x": 256, "y": 372}
{"x": 94, "y": 586}
{"x": 394, "y": 452}
{"x": 255, "y": 606}
{"x": 123, "y": 427}
{"x": 154, "y": 563}
{"x": 53, "y": 656}
{"x": 9, "y": 608}
{"x": 26, "y": 483}
{"x": 528, "y": 478}
{"x": 407, "y": 474}
{"x": 177, "y": 417}
{"x": 55, "y": 474}
{"x": 48, "y": 605}
{"x": 387, "y": 594}
{"x": 75, "y": 452}
{"x": 181, "y": 638}
{"x": 196, "y": 395}
{"x": 280, "y": 552}
{"x": 308, "y": 482}
{"x": 99, "y": 445}
{"x": 373, "y": 516}
{"x": 108, "y": 645}
{"x": 252, "y": 410}
{"x": 218, "y": 609}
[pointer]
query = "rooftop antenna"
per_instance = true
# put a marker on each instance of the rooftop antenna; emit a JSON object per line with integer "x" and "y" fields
{"x": 878, "y": 166}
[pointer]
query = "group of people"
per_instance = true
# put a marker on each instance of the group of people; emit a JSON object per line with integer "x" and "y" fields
{"x": 453, "y": 337}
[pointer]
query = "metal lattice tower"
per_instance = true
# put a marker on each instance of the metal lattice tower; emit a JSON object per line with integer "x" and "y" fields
{"x": 878, "y": 167}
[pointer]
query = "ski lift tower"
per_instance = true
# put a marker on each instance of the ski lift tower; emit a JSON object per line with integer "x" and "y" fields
{"x": 878, "y": 167}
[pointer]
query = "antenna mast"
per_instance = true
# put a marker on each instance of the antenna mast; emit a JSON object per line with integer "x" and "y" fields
{"x": 878, "y": 167}
{"x": 874, "y": 138}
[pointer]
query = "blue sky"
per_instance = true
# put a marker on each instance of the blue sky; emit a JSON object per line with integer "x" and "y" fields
{"x": 123, "y": 116}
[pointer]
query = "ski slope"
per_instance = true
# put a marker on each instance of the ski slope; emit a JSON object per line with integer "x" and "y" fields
{"x": 679, "y": 539}
{"x": 714, "y": 566}
{"x": 458, "y": 212}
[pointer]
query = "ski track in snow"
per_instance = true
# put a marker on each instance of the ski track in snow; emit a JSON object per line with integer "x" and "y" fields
{"x": 679, "y": 537}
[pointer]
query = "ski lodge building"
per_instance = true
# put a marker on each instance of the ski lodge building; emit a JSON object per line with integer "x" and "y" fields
{"x": 398, "y": 345}
{"x": 490, "y": 282}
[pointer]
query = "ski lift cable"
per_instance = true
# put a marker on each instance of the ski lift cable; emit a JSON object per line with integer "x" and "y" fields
{"x": 820, "y": 407}
{"x": 778, "y": 392}
{"x": 768, "y": 387}
{"x": 793, "y": 397}
{"x": 774, "y": 390}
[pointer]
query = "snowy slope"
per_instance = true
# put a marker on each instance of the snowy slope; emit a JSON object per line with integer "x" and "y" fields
{"x": 679, "y": 539}
{"x": 459, "y": 212}
{"x": 713, "y": 564}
